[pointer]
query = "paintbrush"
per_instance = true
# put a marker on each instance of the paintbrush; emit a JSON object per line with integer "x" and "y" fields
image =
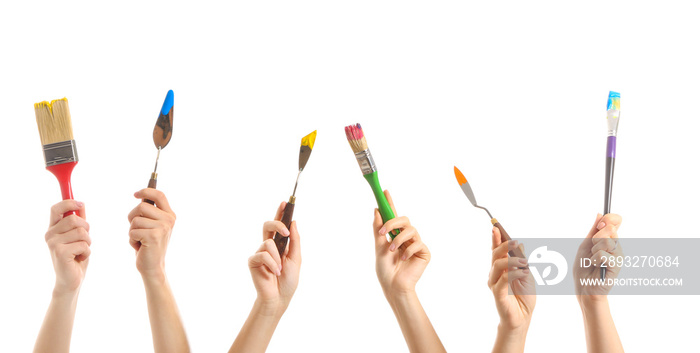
{"x": 56, "y": 133}
{"x": 517, "y": 252}
{"x": 307, "y": 144}
{"x": 162, "y": 133}
{"x": 613, "y": 119}
{"x": 357, "y": 141}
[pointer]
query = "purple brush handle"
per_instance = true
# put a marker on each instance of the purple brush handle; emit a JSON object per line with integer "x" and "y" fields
{"x": 612, "y": 142}
{"x": 609, "y": 172}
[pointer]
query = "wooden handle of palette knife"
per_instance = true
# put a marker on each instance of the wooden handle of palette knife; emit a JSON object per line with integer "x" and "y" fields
{"x": 281, "y": 240}
{"x": 151, "y": 185}
{"x": 505, "y": 237}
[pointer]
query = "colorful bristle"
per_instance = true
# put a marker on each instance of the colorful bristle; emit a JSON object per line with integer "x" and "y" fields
{"x": 356, "y": 138}
{"x": 614, "y": 100}
{"x": 460, "y": 177}
{"x": 53, "y": 120}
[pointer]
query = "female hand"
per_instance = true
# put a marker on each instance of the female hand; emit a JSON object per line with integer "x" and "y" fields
{"x": 401, "y": 262}
{"x": 515, "y": 309}
{"x": 601, "y": 242}
{"x": 149, "y": 234}
{"x": 69, "y": 241}
{"x": 276, "y": 278}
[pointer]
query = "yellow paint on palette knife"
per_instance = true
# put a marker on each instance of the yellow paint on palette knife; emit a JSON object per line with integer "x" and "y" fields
{"x": 309, "y": 140}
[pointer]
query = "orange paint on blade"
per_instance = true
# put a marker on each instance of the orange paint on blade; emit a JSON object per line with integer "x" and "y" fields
{"x": 460, "y": 177}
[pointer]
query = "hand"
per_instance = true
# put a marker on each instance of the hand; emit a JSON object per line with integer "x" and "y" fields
{"x": 514, "y": 309}
{"x": 276, "y": 278}
{"x": 401, "y": 262}
{"x": 149, "y": 234}
{"x": 69, "y": 241}
{"x": 600, "y": 242}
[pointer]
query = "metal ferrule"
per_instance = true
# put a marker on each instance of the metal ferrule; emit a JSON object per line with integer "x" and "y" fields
{"x": 613, "y": 120}
{"x": 366, "y": 162}
{"x": 60, "y": 152}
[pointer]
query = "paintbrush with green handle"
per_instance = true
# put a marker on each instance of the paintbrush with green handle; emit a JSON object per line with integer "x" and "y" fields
{"x": 357, "y": 141}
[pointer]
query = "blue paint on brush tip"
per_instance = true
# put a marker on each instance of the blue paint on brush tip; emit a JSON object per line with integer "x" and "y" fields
{"x": 168, "y": 104}
{"x": 614, "y": 100}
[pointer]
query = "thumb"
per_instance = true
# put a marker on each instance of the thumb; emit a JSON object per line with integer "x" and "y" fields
{"x": 594, "y": 229}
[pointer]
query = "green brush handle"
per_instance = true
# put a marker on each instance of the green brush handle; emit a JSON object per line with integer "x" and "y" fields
{"x": 382, "y": 203}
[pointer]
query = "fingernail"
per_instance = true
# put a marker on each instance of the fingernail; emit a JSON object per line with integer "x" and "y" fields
{"x": 392, "y": 247}
{"x": 79, "y": 204}
{"x": 382, "y": 231}
{"x": 279, "y": 273}
{"x": 526, "y": 271}
{"x": 601, "y": 225}
{"x": 403, "y": 258}
{"x": 286, "y": 232}
{"x": 522, "y": 261}
{"x": 513, "y": 244}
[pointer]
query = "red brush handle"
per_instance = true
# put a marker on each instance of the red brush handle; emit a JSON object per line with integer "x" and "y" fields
{"x": 63, "y": 172}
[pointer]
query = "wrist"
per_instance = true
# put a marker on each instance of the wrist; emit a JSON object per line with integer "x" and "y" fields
{"x": 593, "y": 307}
{"x": 269, "y": 308}
{"x": 592, "y": 302}
{"x": 514, "y": 333}
{"x": 60, "y": 293}
{"x": 154, "y": 277}
{"x": 401, "y": 297}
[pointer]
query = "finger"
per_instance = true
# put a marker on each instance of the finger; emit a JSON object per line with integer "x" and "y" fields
{"x": 147, "y": 210}
{"x": 379, "y": 238}
{"x": 390, "y": 200}
{"x": 397, "y": 223}
{"x": 495, "y": 238}
{"x": 66, "y": 224}
{"x": 157, "y": 196}
{"x": 145, "y": 223}
{"x": 294, "y": 244}
{"x": 417, "y": 247}
{"x": 609, "y": 219}
{"x": 137, "y": 236}
{"x": 599, "y": 256}
{"x": 499, "y": 266}
{"x": 605, "y": 244}
{"x": 280, "y": 211}
{"x": 264, "y": 259}
{"x": 502, "y": 250}
{"x": 62, "y": 207}
{"x": 594, "y": 229}
{"x": 405, "y": 236}
{"x": 78, "y": 250}
{"x": 606, "y": 233}
{"x": 502, "y": 265}
{"x": 269, "y": 246}
{"x": 272, "y": 227}
{"x": 71, "y": 236}
{"x": 517, "y": 274}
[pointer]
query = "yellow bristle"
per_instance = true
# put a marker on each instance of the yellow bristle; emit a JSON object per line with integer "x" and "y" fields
{"x": 53, "y": 120}
{"x": 358, "y": 145}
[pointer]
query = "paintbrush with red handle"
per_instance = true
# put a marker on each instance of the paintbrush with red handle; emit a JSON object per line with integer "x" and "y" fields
{"x": 56, "y": 133}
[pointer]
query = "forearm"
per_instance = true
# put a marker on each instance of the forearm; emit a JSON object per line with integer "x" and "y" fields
{"x": 55, "y": 333}
{"x": 166, "y": 326}
{"x": 416, "y": 327}
{"x": 510, "y": 340}
{"x": 256, "y": 333}
{"x": 601, "y": 334}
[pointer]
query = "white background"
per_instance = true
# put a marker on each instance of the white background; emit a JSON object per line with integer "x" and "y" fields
{"x": 512, "y": 93}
